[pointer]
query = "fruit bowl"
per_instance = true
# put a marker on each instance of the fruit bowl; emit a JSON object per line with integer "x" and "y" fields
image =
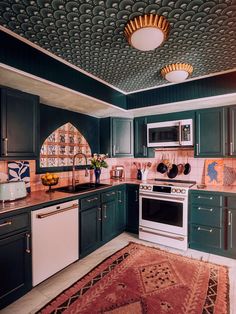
{"x": 49, "y": 179}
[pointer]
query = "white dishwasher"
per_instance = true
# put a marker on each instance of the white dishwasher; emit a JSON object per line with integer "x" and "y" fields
{"x": 55, "y": 239}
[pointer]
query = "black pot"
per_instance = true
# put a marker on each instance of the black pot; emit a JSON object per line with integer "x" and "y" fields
{"x": 162, "y": 168}
{"x": 187, "y": 168}
{"x": 172, "y": 173}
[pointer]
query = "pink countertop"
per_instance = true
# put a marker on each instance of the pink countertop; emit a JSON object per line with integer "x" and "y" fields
{"x": 42, "y": 197}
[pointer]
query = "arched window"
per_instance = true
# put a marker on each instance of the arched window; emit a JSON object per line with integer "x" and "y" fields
{"x": 60, "y": 147}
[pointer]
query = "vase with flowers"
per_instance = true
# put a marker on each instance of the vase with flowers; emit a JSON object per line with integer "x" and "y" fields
{"x": 98, "y": 161}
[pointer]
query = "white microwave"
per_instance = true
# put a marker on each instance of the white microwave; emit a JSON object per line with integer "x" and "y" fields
{"x": 170, "y": 133}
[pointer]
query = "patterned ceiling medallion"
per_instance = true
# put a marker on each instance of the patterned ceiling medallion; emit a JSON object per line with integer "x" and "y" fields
{"x": 177, "y": 72}
{"x": 147, "y": 32}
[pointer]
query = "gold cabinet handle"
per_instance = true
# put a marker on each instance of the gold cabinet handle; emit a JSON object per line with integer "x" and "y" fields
{"x": 55, "y": 212}
{"x": 105, "y": 211}
{"x": 92, "y": 199}
{"x": 205, "y": 197}
{"x": 108, "y": 194}
{"x": 5, "y": 146}
{"x": 7, "y": 223}
{"x": 99, "y": 213}
{"x": 119, "y": 197}
{"x": 207, "y": 209}
{"x": 204, "y": 229}
{"x": 28, "y": 243}
{"x": 197, "y": 148}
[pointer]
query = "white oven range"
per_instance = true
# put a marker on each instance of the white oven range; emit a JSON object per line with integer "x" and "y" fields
{"x": 163, "y": 212}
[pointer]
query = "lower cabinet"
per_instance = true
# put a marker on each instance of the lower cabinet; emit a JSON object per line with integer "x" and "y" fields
{"x": 15, "y": 258}
{"x": 132, "y": 208}
{"x": 102, "y": 217}
{"x": 212, "y": 223}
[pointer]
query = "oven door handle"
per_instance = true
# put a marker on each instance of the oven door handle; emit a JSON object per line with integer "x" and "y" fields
{"x": 160, "y": 197}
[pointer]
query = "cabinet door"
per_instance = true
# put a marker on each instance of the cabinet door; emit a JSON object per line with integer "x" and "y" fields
{"x": 232, "y": 131}
{"x": 211, "y": 137}
{"x": 90, "y": 230}
{"x": 19, "y": 113}
{"x": 15, "y": 268}
{"x": 120, "y": 209}
{"x": 132, "y": 208}
{"x": 122, "y": 137}
{"x": 140, "y": 137}
{"x": 108, "y": 220}
{"x": 231, "y": 233}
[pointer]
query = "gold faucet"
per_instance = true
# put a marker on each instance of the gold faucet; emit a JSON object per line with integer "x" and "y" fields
{"x": 73, "y": 169}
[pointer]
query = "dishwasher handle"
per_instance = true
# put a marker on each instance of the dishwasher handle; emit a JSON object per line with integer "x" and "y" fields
{"x": 55, "y": 212}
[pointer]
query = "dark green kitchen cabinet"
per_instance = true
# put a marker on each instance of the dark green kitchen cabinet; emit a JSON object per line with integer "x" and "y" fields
{"x": 120, "y": 209}
{"x": 90, "y": 230}
{"x": 19, "y": 124}
{"x": 132, "y": 208}
{"x": 116, "y": 137}
{"x": 212, "y": 223}
{"x": 211, "y": 133}
{"x": 207, "y": 222}
{"x": 140, "y": 139}
{"x": 98, "y": 220}
{"x": 232, "y": 131}
{"x": 15, "y": 258}
{"x": 108, "y": 220}
{"x": 231, "y": 226}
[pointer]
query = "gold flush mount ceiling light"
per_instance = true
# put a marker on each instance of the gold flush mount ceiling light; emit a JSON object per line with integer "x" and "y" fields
{"x": 147, "y": 32}
{"x": 177, "y": 72}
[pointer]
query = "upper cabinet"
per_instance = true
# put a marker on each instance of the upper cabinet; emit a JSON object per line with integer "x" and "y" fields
{"x": 211, "y": 133}
{"x": 216, "y": 132}
{"x": 116, "y": 137}
{"x": 232, "y": 131}
{"x": 140, "y": 138}
{"x": 19, "y": 124}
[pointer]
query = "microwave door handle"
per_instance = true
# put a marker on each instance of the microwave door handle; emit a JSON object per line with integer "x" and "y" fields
{"x": 180, "y": 134}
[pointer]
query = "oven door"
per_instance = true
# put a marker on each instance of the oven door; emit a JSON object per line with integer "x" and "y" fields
{"x": 163, "y": 212}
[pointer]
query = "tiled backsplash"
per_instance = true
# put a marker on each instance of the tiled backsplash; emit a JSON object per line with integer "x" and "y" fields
{"x": 197, "y": 168}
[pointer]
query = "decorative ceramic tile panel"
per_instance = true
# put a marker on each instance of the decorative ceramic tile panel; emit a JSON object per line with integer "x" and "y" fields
{"x": 60, "y": 147}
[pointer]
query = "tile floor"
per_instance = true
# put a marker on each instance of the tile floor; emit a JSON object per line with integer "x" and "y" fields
{"x": 47, "y": 290}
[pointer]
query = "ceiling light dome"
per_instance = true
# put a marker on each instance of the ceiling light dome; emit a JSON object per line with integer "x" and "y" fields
{"x": 177, "y": 72}
{"x": 147, "y": 32}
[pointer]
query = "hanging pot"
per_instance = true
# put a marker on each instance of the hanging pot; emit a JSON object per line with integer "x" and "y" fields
{"x": 172, "y": 173}
{"x": 187, "y": 167}
{"x": 161, "y": 167}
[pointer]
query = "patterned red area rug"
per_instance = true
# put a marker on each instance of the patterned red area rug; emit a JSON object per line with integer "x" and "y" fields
{"x": 140, "y": 279}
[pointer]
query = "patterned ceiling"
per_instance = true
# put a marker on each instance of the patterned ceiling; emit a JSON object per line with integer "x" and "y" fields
{"x": 89, "y": 34}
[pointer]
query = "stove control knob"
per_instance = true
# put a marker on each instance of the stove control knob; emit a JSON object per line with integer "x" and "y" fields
{"x": 173, "y": 190}
{"x": 141, "y": 187}
{"x": 183, "y": 191}
{"x": 149, "y": 188}
{"x": 145, "y": 187}
{"x": 177, "y": 190}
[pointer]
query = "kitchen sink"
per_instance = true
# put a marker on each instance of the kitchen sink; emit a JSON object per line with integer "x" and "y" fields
{"x": 83, "y": 187}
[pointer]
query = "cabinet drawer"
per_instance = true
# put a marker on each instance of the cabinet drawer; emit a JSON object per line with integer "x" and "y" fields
{"x": 206, "y": 236}
{"x": 89, "y": 202}
{"x": 13, "y": 223}
{"x": 108, "y": 196}
{"x": 209, "y": 215}
{"x": 207, "y": 199}
{"x": 231, "y": 202}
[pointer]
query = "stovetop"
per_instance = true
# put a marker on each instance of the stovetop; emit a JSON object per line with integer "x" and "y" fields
{"x": 179, "y": 183}
{"x": 166, "y": 186}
